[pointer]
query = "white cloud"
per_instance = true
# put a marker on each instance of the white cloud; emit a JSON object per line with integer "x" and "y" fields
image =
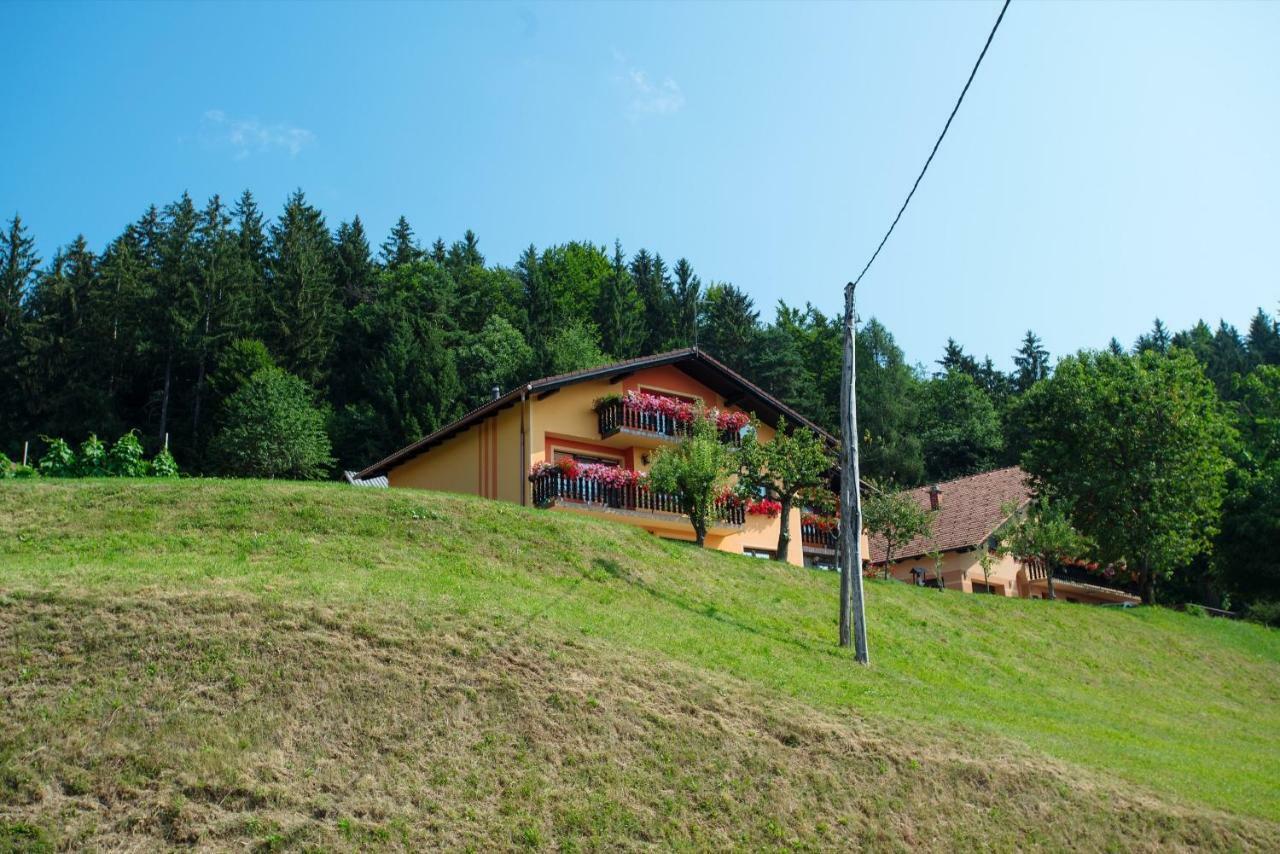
{"x": 650, "y": 98}
{"x": 249, "y": 136}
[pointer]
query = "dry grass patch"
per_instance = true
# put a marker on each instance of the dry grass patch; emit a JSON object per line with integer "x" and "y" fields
{"x": 166, "y": 719}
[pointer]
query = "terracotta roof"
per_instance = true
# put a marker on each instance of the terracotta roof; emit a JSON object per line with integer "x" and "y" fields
{"x": 691, "y": 360}
{"x": 970, "y": 510}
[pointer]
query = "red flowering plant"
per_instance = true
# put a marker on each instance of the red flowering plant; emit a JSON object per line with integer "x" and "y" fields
{"x": 729, "y": 497}
{"x": 821, "y": 524}
{"x": 764, "y": 507}
{"x": 660, "y": 404}
{"x": 566, "y": 466}
{"x": 729, "y": 422}
{"x": 615, "y": 476}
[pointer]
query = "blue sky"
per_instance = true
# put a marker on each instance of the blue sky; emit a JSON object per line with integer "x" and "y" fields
{"x": 1112, "y": 161}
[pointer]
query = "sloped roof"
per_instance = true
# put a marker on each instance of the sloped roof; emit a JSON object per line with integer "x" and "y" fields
{"x": 970, "y": 510}
{"x": 710, "y": 372}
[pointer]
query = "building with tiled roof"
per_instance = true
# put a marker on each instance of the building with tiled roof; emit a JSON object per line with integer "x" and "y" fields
{"x": 967, "y": 514}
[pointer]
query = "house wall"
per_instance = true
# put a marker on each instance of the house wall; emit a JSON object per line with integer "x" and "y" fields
{"x": 486, "y": 459}
{"x": 960, "y": 570}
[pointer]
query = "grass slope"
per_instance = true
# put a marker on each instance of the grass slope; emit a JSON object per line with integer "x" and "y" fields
{"x": 282, "y": 665}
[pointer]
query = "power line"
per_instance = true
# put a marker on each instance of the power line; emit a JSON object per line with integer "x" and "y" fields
{"x": 954, "y": 110}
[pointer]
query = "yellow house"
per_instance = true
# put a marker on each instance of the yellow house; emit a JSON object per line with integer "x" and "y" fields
{"x": 967, "y": 513}
{"x": 576, "y": 442}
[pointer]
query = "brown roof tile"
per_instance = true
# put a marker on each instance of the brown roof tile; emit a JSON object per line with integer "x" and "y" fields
{"x": 970, "y": 510}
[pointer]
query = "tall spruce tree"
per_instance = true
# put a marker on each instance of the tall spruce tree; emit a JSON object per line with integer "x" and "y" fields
{"x": 540, "y": 307}
{"x": 18, "y": 266}
{"x": 354, "y": 269}
{"x": 687, "y": 294}
{"x": 730, "y": 326}
{"x": 254, "y": 260}
{"x": 1032, "y": 362}
{"x": 400, "y": 247}
{"x": 305, "y": 307}
{"x": 175, "y": 308}
{"x": 222, "y": 300}
{"x": 620, "y": 312}
{"x": 649, "y": 272}
{"x": 1263, "y": 340}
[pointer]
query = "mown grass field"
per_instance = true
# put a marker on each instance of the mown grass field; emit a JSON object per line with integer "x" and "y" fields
{"x": 231, "y": 663}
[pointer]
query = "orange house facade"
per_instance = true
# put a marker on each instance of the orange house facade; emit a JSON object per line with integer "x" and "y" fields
{"x": 582, "y": 443}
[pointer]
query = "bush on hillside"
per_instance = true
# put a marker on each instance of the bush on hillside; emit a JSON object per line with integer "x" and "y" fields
{"x": 92, "y": 459}
{"x": 58, "y": 461}
{"x": 126, "y": 457}
{"x": 164, "y": 465}
{"x": 1265, "y": 612}
{"x": 272, "y": 428}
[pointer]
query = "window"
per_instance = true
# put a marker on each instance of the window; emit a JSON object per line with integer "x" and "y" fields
{"x": 765, "y": 554}
{"x": 979, "y": 587}
{"x": 586, "y": 459}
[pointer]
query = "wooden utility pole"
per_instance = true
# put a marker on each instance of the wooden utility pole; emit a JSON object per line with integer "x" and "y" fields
{"x": 852, "y": 613}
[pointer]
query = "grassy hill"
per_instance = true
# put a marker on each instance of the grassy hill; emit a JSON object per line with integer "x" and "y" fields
{"x": 232, "y": 662}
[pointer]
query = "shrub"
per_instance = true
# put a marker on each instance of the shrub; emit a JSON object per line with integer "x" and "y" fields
{"x": 272, "y": 428}
{"x": 92, "y": 461}
{"x": 164, "y": 465}
{"x": 1266, "y": 612}
{"x": 6, "y": 466}
{"x": 125, "y": 458}
{"x": 58, "y": 461}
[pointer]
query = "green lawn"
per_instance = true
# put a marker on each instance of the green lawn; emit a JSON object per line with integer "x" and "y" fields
{"x": 526, "y": 677}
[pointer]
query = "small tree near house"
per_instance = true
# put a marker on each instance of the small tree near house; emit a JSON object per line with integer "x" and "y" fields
{"x": 697, "y": 470}
{"x": 1044, "y": 536}
{"x": 792, "y": 462}
{"x": 894, "y": 516}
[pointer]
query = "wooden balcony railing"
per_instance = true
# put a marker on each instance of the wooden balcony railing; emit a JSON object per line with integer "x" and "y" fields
{"x": 617, "y": 415}
{"x": 818, "y": 537}
{"x": 550, "y": 487}
{"x": 1037, "y": 571}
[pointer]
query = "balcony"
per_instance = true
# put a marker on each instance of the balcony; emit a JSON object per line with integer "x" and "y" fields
{"x": 622, "y": 417}
{"x": 818, "y": 537}
{"x": 1076, "y": 574}
{"x": 552, "y": 488}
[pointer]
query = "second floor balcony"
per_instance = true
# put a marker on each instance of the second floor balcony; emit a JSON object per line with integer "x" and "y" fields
{"x": 661, "y": 419}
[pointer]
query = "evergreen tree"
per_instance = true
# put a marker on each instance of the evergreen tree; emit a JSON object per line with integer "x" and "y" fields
{"x": 539, "y": 307}
{"x": 889, "y": 396}
{"x": 730, "y": 327}
{"x": 620, "y": 312}
{"x": 1157, "y": 339}
{"x": 305, "y": 308}
{"x": 954, "y": 358}
{"x": 688, "y": 291}
{"x": 438, "y": 253}
{"x": 18, "y": 267}
{"x": 1198, "y": 340}
{"x": 221, "y": 298}
{"x": 1114, "y": 347}
{"x": 400, "y": 247}
{"x": 123, "y": 298}
{"x": 354, "y": 269}
{"x": 67, "y": 397}
{"x": 175, "y": 309}
{"x": 254, "y": 260}
{"x": 1032, "y": 362}
{"x": 465, "y": 253}
{"x": 649, "y": 273}
{"x": 1229, "y": 359}
{"x": 1263, "y": 340}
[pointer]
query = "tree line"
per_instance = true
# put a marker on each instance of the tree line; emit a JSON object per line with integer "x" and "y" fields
{"x": 197, "y": 322}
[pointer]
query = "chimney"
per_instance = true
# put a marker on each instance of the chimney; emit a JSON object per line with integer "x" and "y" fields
{"x": 497, "y": 392}
{"x": 935, "y": 497}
